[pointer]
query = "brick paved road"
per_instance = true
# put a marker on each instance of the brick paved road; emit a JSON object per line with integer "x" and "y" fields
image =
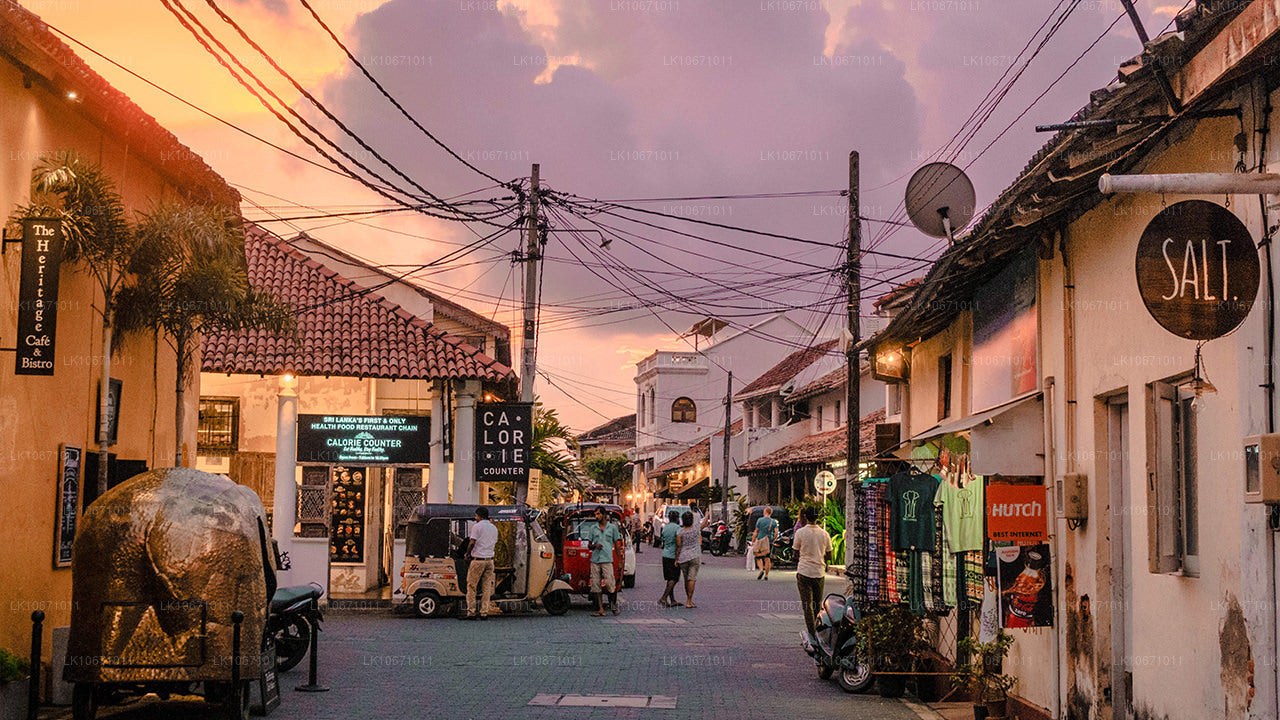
{"x": 735, "y": 656}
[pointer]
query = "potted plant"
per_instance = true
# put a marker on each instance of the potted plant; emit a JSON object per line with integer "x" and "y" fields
{"x": 982, "y": 677}
{"x": 13, "y": 687}
{"x": 891, "y": 640}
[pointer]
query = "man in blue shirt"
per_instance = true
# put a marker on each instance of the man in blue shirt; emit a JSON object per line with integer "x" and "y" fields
{"x": 670, "y": 569}
{"x": 600, "y": 539}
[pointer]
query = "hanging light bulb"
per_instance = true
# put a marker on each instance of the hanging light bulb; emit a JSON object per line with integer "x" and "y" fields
{"x": 1200, "y": 384}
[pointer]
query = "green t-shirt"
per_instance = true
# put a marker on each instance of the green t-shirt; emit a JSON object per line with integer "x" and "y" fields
{"x": 669, "y": 533}
{"x": 911, "y": 498}
{"x": 605, "y": 538}
{"x": 962, "y": 514}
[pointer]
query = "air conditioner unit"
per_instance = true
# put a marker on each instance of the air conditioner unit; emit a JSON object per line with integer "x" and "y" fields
{"x": 1262, "y": 469}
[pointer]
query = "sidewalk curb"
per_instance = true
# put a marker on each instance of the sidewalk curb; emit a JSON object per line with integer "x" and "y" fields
{"x": 923, "y": 711}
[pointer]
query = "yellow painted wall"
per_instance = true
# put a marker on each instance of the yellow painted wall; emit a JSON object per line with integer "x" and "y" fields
{"x": 39, "y": 413}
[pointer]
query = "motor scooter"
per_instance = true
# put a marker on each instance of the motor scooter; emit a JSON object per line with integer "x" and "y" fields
{"x": 715, "y": 539}
{"x": 294, "y": 616}
{"x": 835, "y": 647}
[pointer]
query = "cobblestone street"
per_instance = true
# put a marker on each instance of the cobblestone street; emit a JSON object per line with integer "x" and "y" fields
{"x": 736, "y": 655}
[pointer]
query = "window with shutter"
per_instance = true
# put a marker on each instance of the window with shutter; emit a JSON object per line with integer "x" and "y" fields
{"x": 1172, "y": 517}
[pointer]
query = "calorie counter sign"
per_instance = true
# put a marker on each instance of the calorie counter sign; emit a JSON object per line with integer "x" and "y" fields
{"x": 1016, "y": 513}
{"x": 504, "y": 441}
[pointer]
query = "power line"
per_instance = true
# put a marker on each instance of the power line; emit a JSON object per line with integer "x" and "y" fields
{"x": 365, "y": 71}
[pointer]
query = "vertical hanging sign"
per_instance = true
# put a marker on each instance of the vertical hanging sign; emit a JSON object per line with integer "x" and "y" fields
{"x": 38, "y": 295}
{"x": 504, "y": 441}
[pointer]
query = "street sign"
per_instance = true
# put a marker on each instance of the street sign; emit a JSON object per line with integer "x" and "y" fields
{"x": 38, "y": 296}
{"x": 364, "y": 439}
{"x": 1197, "y": 270}
{"x": 504, "y": 441}
{"x": 824, "y": 483}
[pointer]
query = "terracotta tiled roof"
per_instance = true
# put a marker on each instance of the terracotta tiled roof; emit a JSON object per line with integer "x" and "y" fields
{"x": 831, "y": 381}
{"x": 342, "y": 330}
{"x": 790, "y": 366}
{"x": 28, "y": 42}
{"x": 617, "y": 430}
{"x": 820, "y": 448}
{"x": 699, "y": 453}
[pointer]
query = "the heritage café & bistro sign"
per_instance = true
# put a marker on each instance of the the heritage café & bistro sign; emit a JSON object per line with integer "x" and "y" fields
{"x": 38, "y": 296}
{"x": 364, "y": 439}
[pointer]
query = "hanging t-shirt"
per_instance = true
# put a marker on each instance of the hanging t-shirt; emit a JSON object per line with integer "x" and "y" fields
{"x": 911, "y": 498}
{"x": 962, "y": 514}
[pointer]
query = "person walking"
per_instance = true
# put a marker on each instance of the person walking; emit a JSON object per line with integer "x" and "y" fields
{"x": 689, "y": 555}
{"x": 813, "y": 548}
{"x": 480, "y": 544}
{"x": 600, "y": 539}
{"x": 670, "y": 550}
{"x": 762, "y": 542}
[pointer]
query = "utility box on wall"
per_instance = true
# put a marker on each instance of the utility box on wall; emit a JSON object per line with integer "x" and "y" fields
{"x": 1075, "y": 497}
{"x": 1262, "y": 469}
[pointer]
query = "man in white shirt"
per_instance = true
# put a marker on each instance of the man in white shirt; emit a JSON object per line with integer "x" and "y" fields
{"x": 482, "y": 540}
{"x": 813, "y": 546}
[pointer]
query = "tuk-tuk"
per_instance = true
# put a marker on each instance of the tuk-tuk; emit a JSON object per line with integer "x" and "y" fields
{"x": 162, "y": 565}
{"x": 565, "y": 523}
{"x": 434, "y": 574}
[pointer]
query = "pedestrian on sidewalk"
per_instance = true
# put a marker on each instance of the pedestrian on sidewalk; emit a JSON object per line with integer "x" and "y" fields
{"x": 480, "y": 544}
{"x": 762, "y": 542}
{"x": 670, "y": 550}
{"x": 689, "y": 555}
{"x": 601, "y": 538}
{"x": 813, "y": 548}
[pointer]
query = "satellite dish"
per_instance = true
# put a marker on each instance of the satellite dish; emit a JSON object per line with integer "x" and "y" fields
{"x": 940, "y": 200}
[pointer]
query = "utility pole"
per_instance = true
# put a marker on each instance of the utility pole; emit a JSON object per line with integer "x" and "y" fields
{"x": 533, "y": 253}
{"x": 728, "y": 424}
{"x": 853, "y": 268}
{"x": 529, "y": 348}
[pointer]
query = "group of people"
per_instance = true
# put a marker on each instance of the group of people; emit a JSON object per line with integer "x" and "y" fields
{"x": 681, "y": 555}
{"x": 681, "y": 539}
{"x": 812, "y": 545}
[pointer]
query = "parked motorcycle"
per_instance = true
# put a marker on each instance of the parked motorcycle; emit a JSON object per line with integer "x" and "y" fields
{"x": 783, "y": 554}
{"x": 835, "y": 647}
{"x": 294, "y": 616}
{"x": 715, "y": 539}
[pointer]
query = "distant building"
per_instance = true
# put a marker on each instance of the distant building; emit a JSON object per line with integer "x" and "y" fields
{"x": 680, "y": 396}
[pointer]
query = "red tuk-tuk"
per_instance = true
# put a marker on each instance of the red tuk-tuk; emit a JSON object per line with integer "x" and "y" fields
{"x": 564, "y": 525}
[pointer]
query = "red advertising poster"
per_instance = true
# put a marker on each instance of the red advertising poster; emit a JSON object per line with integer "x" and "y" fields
{"x": 1017, "y": 513}
{"x": 1025, "y": 586}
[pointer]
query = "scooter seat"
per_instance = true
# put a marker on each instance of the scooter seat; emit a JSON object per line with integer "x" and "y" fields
{"x": 288, "y": 596}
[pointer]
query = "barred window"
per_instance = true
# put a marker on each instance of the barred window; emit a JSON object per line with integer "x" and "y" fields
{"x": 218, "y": 432}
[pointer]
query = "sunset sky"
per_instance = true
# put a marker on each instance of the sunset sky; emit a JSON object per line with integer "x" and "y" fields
{"x": 618, "y": 99}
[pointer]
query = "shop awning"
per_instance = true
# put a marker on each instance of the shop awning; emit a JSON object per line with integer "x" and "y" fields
{"x": 1007, "y": 439}
{"x": 689, "y": 489}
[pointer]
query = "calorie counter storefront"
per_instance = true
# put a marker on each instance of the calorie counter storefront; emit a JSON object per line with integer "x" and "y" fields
{"x": 353, "y": 467}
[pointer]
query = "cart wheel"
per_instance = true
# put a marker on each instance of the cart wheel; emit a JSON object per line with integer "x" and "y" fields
{"x": 628, "y": 581}
{"x": 236, "y": 704}
{"x": 556, "y": 602}
{"x": 825, "y": 671}
{"x": 292, "y": 642}
{"x": 426, "y": 603}
{"x": 84, "y": 702}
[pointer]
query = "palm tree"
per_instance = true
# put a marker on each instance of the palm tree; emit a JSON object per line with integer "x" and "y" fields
{"x": 553, "y": 451}
{"x": 190, "y": 278}
{"x": 97, "y": 234}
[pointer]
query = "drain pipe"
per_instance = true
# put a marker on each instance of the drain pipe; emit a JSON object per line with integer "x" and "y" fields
{"x": 1261, "y": 121}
